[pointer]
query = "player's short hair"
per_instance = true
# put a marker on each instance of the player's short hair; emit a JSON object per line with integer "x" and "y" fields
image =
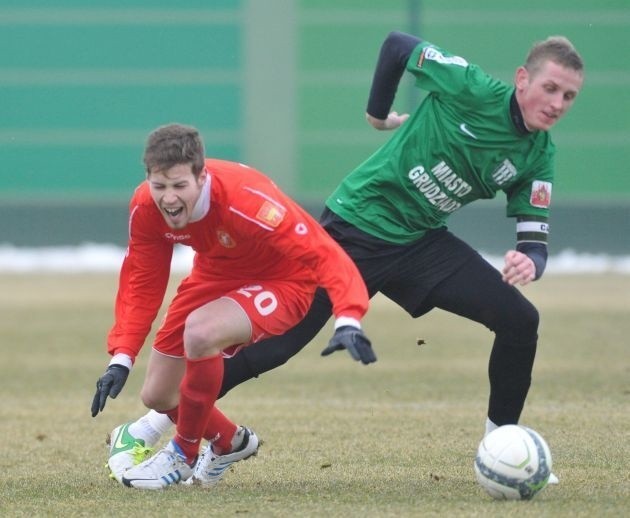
{"x": 171, "y": 145}
{"x": 557, "y": 49}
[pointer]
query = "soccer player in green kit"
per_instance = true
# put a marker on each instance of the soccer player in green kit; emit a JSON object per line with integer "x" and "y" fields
{"x": 470, "y": 138}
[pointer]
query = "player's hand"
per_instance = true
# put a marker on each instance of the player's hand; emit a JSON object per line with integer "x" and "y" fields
{"x": 393, "y": 121}
{"x": 518, "y": 268}
{"x": 109, "y": 384}
{"x": 354, "y": 341}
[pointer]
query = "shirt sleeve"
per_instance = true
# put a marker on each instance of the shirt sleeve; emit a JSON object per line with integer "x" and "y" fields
{"x": 390, "y": 66}
{"x": 142, "y": 285}
{"x": 532, "y": 195}
{"x": 437, "y": 70}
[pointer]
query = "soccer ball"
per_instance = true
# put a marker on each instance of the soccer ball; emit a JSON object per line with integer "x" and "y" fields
{"x": 513, "y": 463}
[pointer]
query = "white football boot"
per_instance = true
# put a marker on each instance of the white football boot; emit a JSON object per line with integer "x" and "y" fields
{"x": 211, "y": 467}
{"x": 166, "y": 468}
{"x": 125, "y": 451}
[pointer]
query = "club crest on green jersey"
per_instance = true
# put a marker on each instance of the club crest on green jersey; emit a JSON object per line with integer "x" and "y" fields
{"x": 541, "y": 194}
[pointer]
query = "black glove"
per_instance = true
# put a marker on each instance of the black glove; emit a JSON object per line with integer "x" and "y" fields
{"x": 352, "y": 339}
{"x": 109, "y": 384}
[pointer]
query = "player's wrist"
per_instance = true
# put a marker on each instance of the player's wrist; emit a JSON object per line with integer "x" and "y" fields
{"x": 347, "y": 321}
{"x": 376, "y": 122}
{"x": 122, "y": 359}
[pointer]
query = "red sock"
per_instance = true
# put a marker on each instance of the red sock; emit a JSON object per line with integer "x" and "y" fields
{"x": 198, "y": 392}
{"x": 219, "y": 431}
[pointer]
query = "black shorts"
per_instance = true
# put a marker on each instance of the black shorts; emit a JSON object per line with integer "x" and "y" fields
{"x": 408, "y": 274}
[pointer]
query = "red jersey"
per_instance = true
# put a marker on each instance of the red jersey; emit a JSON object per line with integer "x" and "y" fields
{"x": 243, "y": 228}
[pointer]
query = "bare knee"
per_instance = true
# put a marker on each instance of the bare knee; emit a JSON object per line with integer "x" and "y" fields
{"x": 201, "y": 336}
{"x": 159, "y": 401}
{"x": 160, "y": 390}
{"x": 149, "y": 400}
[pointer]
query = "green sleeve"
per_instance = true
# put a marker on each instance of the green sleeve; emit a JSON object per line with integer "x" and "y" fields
{"x": 532, "y": 196}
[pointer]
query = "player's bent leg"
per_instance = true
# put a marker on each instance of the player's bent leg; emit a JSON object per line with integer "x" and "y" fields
{"x": 512, "y": 358}
{"x": 160, "y": 392}
{"x": 476, "y": 291}
{"x": 510, "y": 369}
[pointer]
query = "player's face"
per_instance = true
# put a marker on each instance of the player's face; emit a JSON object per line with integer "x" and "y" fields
{"x": 175, "y": 191}
{"x": 545, "y": 95}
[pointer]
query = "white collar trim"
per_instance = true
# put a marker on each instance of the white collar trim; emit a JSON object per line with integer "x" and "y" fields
{"x": 202, "y": 207}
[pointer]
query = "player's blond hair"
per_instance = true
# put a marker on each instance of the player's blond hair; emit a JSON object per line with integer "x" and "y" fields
{"x": 171, "y": 145}
{"x": 557, "y": 49}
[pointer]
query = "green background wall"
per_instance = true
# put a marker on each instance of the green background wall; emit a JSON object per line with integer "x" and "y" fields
{"x": 280, "y": 84}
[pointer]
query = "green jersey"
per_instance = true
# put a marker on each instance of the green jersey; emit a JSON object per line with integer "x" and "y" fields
{"x": 460, "y": 145}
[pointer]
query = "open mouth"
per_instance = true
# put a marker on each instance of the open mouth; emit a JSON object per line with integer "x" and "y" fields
{"x": 173, "y": 213}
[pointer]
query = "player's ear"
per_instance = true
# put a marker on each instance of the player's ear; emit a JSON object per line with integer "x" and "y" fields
{"x": 521, "y": 78}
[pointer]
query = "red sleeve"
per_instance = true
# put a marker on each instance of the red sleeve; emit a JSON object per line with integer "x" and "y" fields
{"x": 142, "y": 284}
{"x": 335, "y": 272}
{"x": 285, "y": 226}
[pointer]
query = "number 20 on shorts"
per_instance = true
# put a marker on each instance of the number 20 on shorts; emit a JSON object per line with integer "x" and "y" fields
{"x": 265, "y": 302}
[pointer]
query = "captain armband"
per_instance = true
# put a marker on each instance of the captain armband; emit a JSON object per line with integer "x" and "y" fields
{"x": 532, "y": 229}
{"x": 531, "y": 240}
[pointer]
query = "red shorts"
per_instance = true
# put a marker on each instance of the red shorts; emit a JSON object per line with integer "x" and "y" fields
{"x": 273, "y": 307}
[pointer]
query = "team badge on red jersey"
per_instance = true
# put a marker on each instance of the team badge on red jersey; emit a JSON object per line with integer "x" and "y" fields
{"x": 271, "y": 214}
{"x": 225, "y": 239}
{"x": 541, "y": 194}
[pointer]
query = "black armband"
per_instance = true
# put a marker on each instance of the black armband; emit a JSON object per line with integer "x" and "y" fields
{"x": 390, "y": 66}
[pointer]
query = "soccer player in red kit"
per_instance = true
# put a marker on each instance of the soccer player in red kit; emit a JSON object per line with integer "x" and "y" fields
{"x": 259, "y": 259}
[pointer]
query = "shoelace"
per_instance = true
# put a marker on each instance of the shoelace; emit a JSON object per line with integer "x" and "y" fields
{"x": 172, "y": 457}
{"x": 140, "y": 453}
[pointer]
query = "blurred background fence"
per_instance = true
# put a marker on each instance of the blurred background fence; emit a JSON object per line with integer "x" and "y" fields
{"x": 282, "y": 85}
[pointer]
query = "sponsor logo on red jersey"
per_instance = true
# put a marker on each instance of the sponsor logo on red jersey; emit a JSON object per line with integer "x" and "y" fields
{"x": 176, "y": 237}
{"x": 541, "y": 194}
{"x": 271, "y": 214}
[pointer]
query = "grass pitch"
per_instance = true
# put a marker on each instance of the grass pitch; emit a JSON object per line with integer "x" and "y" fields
{"x": 396, "y": 438}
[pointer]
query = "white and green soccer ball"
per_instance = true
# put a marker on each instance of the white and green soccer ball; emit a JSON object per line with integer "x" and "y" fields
{"x": 513, "y": 462}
